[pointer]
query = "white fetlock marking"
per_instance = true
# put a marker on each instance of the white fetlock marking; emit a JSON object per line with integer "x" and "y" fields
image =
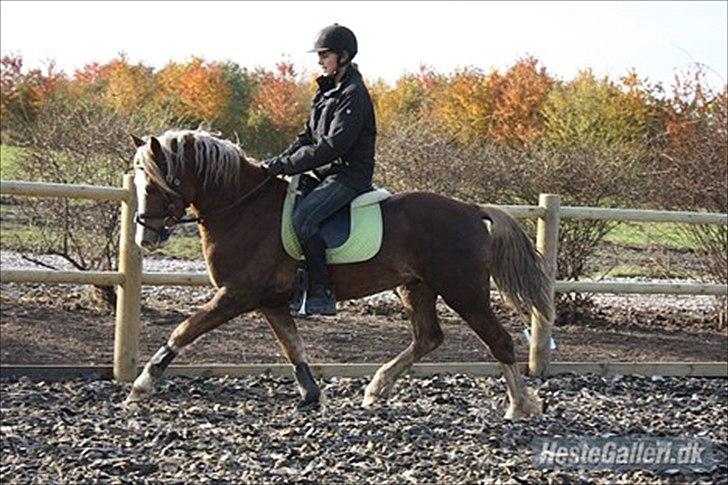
{"x": 302, "y": 310}
{"x": 144, "y": 382}
{"x": 369, "y": 400}
{"x": 375, "y": 386}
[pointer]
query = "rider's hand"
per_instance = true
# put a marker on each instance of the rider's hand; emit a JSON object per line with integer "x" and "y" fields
{"x": 273, "y": 166}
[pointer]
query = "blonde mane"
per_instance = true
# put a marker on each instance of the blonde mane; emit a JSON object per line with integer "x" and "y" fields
{"x": 216, "y": 161}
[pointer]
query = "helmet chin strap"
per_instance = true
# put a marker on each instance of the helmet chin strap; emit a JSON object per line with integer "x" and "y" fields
{"x": 339, "y": 65}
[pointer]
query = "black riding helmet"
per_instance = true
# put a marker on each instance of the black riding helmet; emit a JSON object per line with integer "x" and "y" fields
{"x": 336, "y": 38}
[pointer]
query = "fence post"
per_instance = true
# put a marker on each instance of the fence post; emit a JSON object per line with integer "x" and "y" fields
{"x": 128, "y": 300}
{"x": 547, "y": 242}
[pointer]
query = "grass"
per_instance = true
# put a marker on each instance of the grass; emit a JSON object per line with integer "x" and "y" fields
{"x": 183, "y": 247}
{"x": 646, "y": 234}
{"x": 630, "y": 271}
{"x": 14, "y": 237}
{"x": 22, "y": 238}
{"x": 624, "y": 272}
{"x": 8, "y": 164}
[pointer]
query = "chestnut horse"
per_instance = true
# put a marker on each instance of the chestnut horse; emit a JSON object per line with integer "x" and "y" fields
{"x": 432, "y": 246}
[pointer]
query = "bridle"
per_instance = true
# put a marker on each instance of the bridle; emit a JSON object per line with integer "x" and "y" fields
{"x": 171, "y": 219}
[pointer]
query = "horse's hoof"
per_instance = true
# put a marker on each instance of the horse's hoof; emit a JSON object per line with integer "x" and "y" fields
{"x": 308, "y": 405}
{"x": 371, "y": 401}
{"x": 530, "y": 407}
{"x": 136, "y": 395}
{"x": 513, "y": 414}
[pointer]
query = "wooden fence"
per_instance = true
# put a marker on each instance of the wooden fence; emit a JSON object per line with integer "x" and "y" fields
{"x": 130, "y": 278}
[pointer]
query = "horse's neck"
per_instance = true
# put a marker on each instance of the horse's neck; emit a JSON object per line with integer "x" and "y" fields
{"x": 224, "y": 207}
{"x": 209, "y": 199}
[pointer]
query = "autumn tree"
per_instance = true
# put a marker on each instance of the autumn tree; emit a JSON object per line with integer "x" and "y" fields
{"x": 121, "y": 86}
{"x": 233, "y": 120}
{"x": 518, "y": 96}
{"x": 278, "y": 109}
{"x": 464, "y": 104}
{"x": 690, "y": 167}
{"x": 22, "y": 92}
{"x": 194, "y": 92}
{"x": 407, "y": 101}
{"x": 589, "y": 111}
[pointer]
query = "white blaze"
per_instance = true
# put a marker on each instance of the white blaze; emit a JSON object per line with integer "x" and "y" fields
{"x": 140, "y": 182}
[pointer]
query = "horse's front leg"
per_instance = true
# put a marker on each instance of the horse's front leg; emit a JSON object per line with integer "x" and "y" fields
{"x": 214, "y": 313}
{"x": 285, "y": 331}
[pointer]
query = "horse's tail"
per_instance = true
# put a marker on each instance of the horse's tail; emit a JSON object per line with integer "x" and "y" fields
{"x": 517, "y": 267}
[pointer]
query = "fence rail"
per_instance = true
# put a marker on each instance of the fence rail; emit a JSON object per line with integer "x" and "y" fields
{"x": 639, "y": 215}
{"x": 68, "y": 191}
{"x": 130, "y": 277}
{"x": 202, "y": 279}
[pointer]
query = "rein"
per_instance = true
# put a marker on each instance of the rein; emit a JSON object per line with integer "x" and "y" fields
{"x": 230, "y": 206}
{"x": 164, "y": 233}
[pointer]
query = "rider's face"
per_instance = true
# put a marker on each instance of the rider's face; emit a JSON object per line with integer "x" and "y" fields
{"x": 328, "y": 60}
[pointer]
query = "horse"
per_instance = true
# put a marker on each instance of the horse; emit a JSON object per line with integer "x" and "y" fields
{"x": 432, "y": 246}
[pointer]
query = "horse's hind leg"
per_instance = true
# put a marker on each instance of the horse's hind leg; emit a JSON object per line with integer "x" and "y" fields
{"x": 217, "y": 311}
{"x": 523, "y": 400}
{"x": 419, "y": 300}
{"x": 285, "y": 331}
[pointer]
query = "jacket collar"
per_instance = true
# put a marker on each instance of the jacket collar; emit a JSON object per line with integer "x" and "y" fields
{"x": 326, "y": 84}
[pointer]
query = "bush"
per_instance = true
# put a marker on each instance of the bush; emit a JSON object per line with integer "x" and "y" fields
{"x": 690, "y": 170}
{"x": 419, "y": 157}
{"x": 79, "y": 141}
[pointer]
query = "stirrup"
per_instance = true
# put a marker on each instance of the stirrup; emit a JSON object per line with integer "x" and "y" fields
{"x": 323, "y": 304}
{"x": 298, "y": 302}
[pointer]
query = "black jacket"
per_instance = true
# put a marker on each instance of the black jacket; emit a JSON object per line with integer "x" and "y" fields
{"x": 338, "y": 139}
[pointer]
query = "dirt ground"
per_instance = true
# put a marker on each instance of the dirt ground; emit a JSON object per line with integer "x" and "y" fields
{"x": 56, "y": 325}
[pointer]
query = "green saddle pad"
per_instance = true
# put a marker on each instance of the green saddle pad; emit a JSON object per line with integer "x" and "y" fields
{"x": 365, "y": 232}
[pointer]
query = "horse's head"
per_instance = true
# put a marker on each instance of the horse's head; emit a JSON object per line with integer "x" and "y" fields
{"x": 164, "y": 190}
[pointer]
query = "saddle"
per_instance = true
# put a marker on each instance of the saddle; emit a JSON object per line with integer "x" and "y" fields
{"x": 352, "y": 235}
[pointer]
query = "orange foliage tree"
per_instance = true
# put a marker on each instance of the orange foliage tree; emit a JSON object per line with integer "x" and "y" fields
{"x": 195, "y": 91}
{"x": 695, "y": 147}
{"x": 407, "y": 100}
{"x": 120, "y": 85}
{"x": 463, "y": 105}
{"x": 22, "y": 92}
{"x": 518, "y": 96}
{"x": 497, "y": 107}
{"x": 278, "y": 108}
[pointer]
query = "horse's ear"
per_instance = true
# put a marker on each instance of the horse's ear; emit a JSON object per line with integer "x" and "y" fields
{"x": 138, "y": 142}
{"x": 156, "y": 149}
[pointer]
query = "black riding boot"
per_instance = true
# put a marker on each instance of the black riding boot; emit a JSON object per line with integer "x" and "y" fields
{"x": 320, "y": 298}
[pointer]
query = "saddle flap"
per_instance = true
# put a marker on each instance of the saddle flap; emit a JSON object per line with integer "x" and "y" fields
{"x": 352, "y": 234}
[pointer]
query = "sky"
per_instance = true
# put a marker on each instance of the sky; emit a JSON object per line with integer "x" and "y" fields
{"x": 657, "y": 39}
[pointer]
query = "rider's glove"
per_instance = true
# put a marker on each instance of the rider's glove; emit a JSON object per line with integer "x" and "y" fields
{"x": 273, "y": 166}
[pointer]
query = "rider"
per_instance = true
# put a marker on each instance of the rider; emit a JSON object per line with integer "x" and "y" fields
{"x": 338, "y": 144}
